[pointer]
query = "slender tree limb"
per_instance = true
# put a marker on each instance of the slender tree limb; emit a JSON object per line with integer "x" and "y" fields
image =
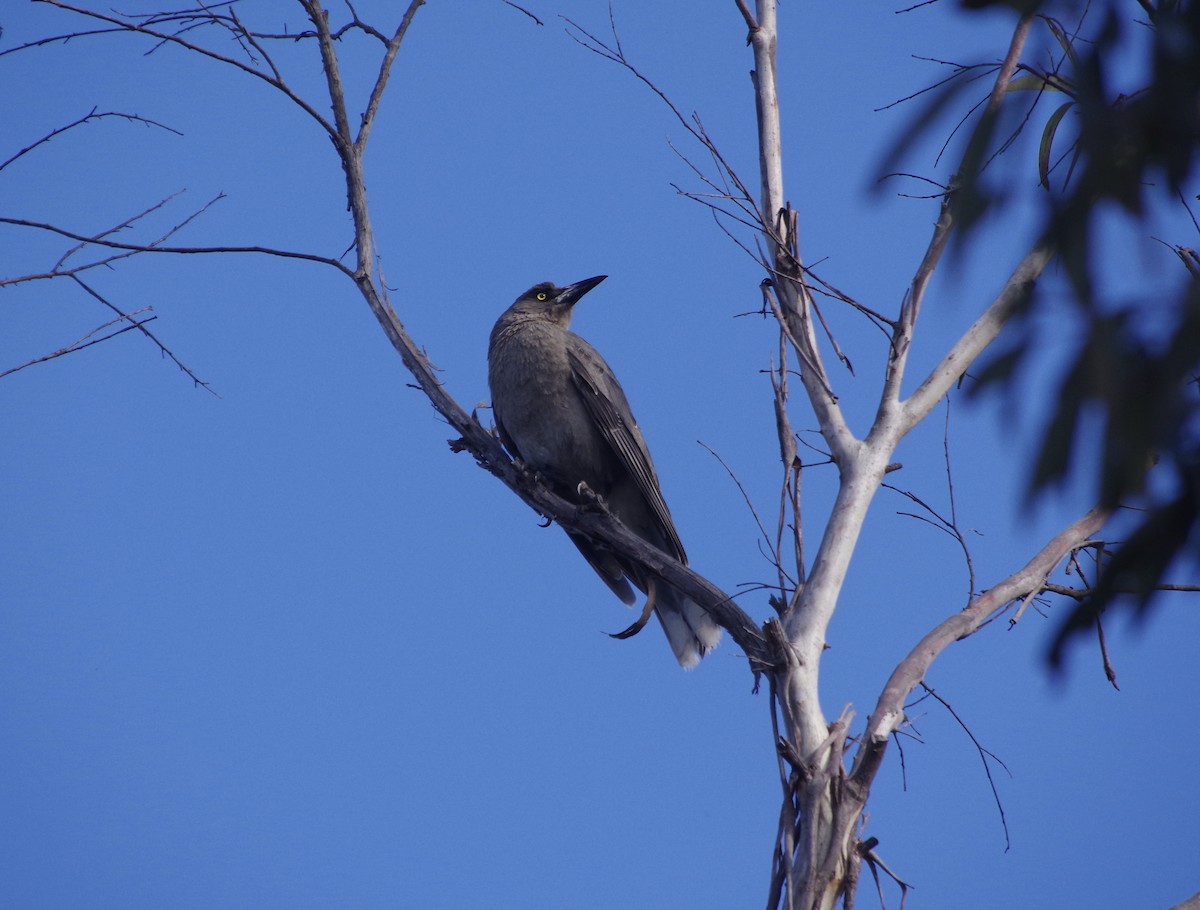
{"x": 1109, "y": 673}
{"x": 889, "y": 710}
{"x": 984, "y": 755}
{"x": 976, "y": 339}
{"x": 99, "y": 240}
{"x": 909, "y": 311}
{"x": 789, "y": 491}
{"x": 773, "y": 549}
{"x": 333, "y": 77}
{"x": 385, "y": 69}
{"x": 781, "y": 235}
{"x": 145, "y": 28}
{"x": 946, "y": 525}
{"x": 523, "y": 10}
{"x": 87, "y": 340}
{"x": 1084, "y": 593}
{"x": 60, "y": 270}
{"x": 93, "y": 114}
{"x": 874, "y": 863}
{"x": 58, "y": 39}
{"x": 616, "y": 54}
{"x": 903, "y": 331}
{"x": 166, "y": 352}
{"x": 790, "y": 324}
{"x": 751, "y": 23}
{"x": 60, "y": 265}
{"x": 782, "y": 867}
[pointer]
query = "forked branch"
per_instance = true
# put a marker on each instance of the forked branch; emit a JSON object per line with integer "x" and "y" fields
{"x": 889, "y": 710}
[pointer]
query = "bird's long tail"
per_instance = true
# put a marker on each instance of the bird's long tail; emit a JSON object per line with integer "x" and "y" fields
{"x": 690, "y": 630}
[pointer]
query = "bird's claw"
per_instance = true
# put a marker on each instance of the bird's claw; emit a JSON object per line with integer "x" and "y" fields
{"x": 590, "y": 499}
{"x": 641, "y": 620}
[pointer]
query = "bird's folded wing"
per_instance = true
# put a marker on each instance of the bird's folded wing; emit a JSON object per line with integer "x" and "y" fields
{"x": 609, "y": 409}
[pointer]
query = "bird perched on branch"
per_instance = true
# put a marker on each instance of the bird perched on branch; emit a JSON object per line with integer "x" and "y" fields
{"x": 561, "y": 411}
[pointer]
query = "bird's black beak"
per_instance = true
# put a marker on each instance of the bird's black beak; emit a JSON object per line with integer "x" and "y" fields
{"x": 570, "y": 295}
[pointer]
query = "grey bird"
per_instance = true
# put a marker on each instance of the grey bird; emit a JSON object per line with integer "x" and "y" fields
{"x": 561, "y": 411}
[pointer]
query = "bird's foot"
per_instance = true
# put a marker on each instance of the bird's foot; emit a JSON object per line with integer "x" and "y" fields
{"x": 531, "y": 474}
{"x": 647, "y": 610}
{"x": 590, "y": 499}
{"x": 534, "y": 477}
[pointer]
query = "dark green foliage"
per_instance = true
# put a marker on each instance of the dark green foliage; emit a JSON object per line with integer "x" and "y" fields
{"x": 1127, "y": 405}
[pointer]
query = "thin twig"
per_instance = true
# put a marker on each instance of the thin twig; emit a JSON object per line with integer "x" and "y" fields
{"x": 146, "y": 28}
{"x": 162, "y": 347}
{"x": 86, "y": 118}
{"x": 1109, "y": 672}
{"x": 984, "y": 755}
{"x": 381, "y": 80}
{"x": 910, "y": 672}
{"x": 87, "y": 341}
{"x": 775, "y": 558}
{"x": 525, "y": 11}
{"x": 177, "y": 250}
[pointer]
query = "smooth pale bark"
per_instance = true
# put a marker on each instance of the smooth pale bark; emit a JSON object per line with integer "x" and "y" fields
{"x": 818, "y": 852}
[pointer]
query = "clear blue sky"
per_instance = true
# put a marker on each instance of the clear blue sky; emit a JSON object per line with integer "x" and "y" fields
{"x": 282, "y": 649}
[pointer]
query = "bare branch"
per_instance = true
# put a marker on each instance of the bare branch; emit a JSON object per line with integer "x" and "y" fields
{"x": 145, "y": 331}
{"x": 953, "y": 504}
{"x": 889, "y": 710}
{"x": 59, "y": 270}
{"x": 809, "y": 365}
{"x": 774, "y": 551}
{"x": 87, "y": 340}
{"x": 789, "y": 487}
{"x": 385, "y": 68}
{"x": 86, "y": 118}
{"x": 333, "y": 77}
{"x": 903, "y": 330}
{"x": 751, "y": 22}
{"x": 960, "y": 70}
{"x": 909, "y": 311}
{"x": 942, "y": 523}
{"x": 128, "y": 223}
{"x": 792, "y": 305}
{"x": 616, "y": 54}
{"x": 99, "y": 240}
{"x": 523, "y": 10}
{"x": 59, "y": 39}
{"x": 1109, "y": 673}
{"x": 148, "y": 27}
{"x": 984, "y": 755}
{"x": 982, "y": 333}
{"x": 598, "y": 525}
{"x": 1083, "y": 593}
{"x": 245, "y": 37}
{"x": 781, "y": 236}
{"x": 1009, "y": 66}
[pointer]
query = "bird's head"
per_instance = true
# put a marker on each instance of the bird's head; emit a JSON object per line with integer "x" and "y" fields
{"x": 552, "y": 302}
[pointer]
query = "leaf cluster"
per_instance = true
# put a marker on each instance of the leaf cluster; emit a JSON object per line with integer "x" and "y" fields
{"x": 1127, "y": 406}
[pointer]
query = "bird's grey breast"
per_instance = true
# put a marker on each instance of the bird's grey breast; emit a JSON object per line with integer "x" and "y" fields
{"x": 537, "y": 405}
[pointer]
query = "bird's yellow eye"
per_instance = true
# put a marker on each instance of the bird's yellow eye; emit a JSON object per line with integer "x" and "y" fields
{"x": 541, "y": 295}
